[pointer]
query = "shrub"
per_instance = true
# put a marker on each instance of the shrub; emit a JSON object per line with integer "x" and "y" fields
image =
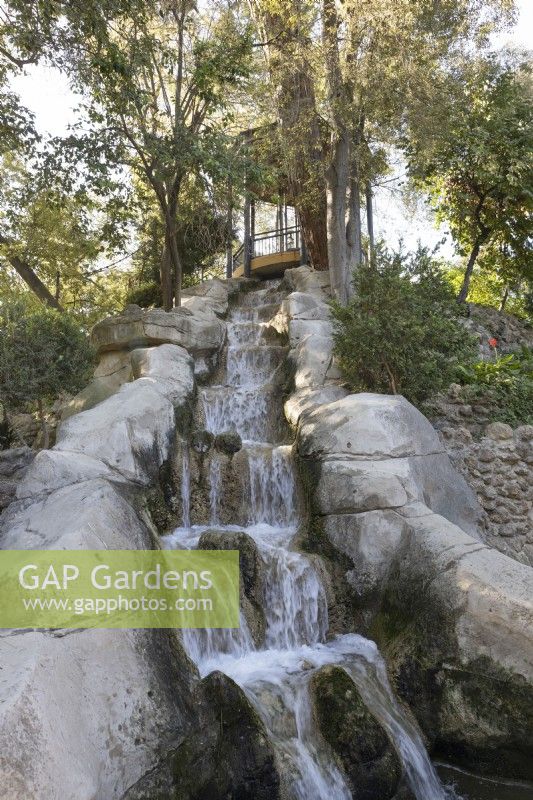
{"x": 401, "y": 332}
{"x": 505, "y": 385}
{"x": 41, "y": 354}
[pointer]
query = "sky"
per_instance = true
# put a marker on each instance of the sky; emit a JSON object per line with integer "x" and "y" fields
{"x": 46, "y": 92}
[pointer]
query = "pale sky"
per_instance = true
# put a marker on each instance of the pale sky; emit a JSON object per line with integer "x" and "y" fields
{"x": 46, "y": 92}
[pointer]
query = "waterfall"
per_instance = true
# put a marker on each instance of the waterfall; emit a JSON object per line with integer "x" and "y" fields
{"x": 276, "y": 676}
{"x": 186, "y": 487}
{"x": 214, "y": 489}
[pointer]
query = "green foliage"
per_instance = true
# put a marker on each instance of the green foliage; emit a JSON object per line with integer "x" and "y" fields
{"x": 477, "y": 167}
{"x": 42, "y": 353}
{"x": 401, "y": 332}
{"x": 488, "y": 288}
{"x": 505, "y": 384}
{"x": 146, "y": 295}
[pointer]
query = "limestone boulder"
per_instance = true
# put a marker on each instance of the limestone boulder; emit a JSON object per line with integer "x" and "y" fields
{"x": 251, "y": 568}
{"x": 213, "y": 294}
{"x": 132, "y": 430}
{"x": 457, "y": 625}
{"x": 308, "y": 280}
{"x": 228, "y": 753}
{"x": 368, "y": 426}
{"x": 85, "y": 714}
{"x": 304, "y": 401}
{"x": 196, "y": 328}
{"x": 311, "y": 359}
{"x": 55, "y": 469}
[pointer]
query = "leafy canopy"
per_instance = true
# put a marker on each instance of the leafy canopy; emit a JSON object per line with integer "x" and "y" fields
{"x": 478, "y": 166}
{"x": 401, "y": 331}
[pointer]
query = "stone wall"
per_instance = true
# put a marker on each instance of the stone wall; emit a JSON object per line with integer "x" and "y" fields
{"x": 499, "y": 467}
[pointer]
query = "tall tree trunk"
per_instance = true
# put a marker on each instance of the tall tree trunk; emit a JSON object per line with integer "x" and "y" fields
{"x": 337, "y": 186}
{"x": 353, "y": 229}
{"x": 166, "y": 276}
{"x": 504, "y": 299}
{"x": 31, "y": 279}
{"x": 302, "y": 139}
{"x": 463, "y": 294}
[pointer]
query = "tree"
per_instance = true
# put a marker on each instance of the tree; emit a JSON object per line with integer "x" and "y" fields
{"x": 478, "y": 168}
{"x": 401, "y": 331}
{"x": 159, "y": 83}
{"x": 42, "y": 354}
{"x": 364, "y": 61}
{"x": 52, "y": 241}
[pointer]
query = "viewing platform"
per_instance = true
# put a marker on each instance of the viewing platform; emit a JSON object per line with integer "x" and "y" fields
{"x": 269, "y": 254}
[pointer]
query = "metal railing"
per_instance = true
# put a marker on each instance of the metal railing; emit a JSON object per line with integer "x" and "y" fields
{"x": 270, "y": 243}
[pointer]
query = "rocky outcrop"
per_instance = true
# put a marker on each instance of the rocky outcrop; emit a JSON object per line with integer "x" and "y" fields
{"x": 453, "y": 616}
{"x": 227, "y": 755}
{"x": 197, "y": 326}
{"x": 85, "y": 714}
{"x": 487, "y": 323}
{"x": 363, "y": 748}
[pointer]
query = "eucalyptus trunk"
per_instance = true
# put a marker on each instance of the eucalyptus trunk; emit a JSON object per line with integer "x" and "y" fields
{"x": 337, "y": 179}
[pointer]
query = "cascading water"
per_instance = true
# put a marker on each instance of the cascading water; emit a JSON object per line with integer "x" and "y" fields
{"x": 276, "y": 676}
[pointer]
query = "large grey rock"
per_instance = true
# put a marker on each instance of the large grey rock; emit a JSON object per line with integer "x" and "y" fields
{"x": 368, "y": 426}
{"x": 54, "y": 469}
{"x": 304, "y": 401}
{"x": 198, "y": 329}
{"x": 311, "y": 359}
{"x": 213, "y": 294}
{"x": 308, "y": 280}
{"x": 84, "y": 714}
{"x": 132, "y": 430}
{"x": 228, "y": 754}
{"x": 251, "y": 568}
{"x": 457, "y": 625}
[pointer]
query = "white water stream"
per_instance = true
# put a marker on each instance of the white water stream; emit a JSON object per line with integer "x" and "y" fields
{"x": 276, "y": 677}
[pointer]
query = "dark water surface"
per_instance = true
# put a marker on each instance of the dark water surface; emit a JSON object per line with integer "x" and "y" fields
{"x": 475, "y": 787}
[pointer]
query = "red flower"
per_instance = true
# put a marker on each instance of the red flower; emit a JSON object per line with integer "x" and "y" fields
{"x": 493, "y": 342}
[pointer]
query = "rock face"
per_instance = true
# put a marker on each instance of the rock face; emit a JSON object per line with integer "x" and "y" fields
{"x": 196, "y": 326}
{"x": 366, "y": 754}
{"x": 453, "y": 617}
{"x": 13, "y": 466}
{"x": 85, "y": 714}
{"x": 227, "y": 755}
{"x": 251, "y": 571}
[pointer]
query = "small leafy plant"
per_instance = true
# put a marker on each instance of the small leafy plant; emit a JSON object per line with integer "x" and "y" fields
{"x": 506, "y": 384}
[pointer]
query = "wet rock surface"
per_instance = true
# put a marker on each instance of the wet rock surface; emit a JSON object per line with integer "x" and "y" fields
{"x": 357, "y": 739}
{"x": 251, "y": 571}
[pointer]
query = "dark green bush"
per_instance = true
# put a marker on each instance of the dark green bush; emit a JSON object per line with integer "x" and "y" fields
{"x": 401, "y": 333}
{"x": 42, "y": 353}
{"x": 146, "y": 295}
